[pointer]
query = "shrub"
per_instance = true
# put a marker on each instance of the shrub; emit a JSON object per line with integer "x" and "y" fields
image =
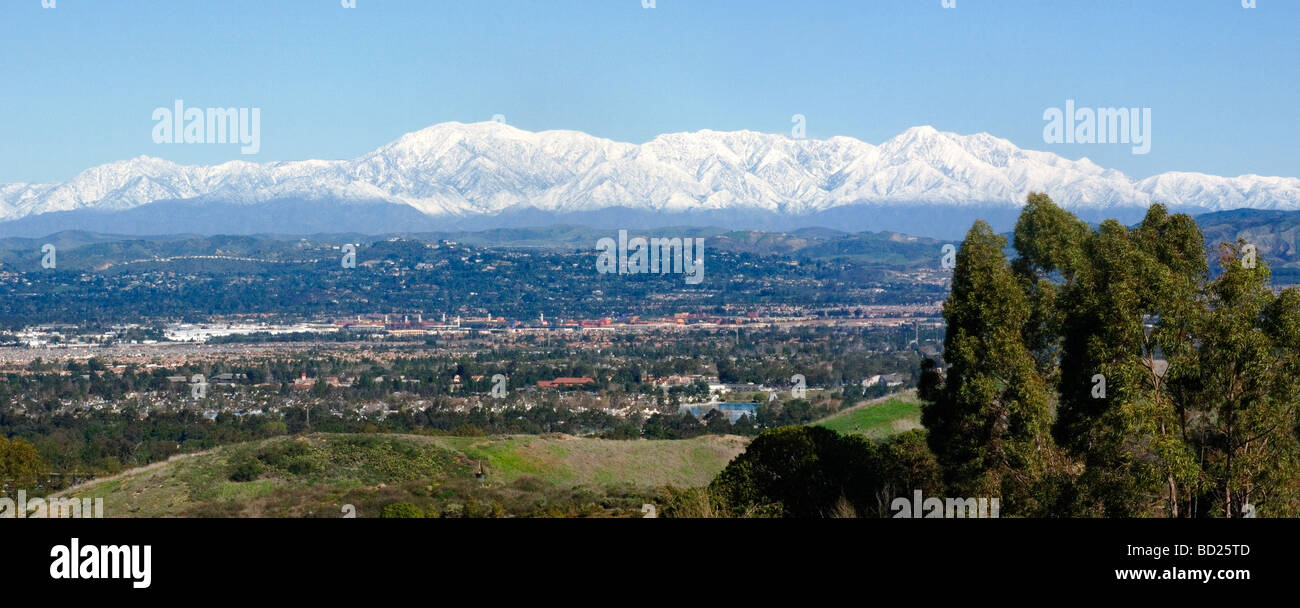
{"x": 401, "y": 510}
{"x": 302, "y": 466}
{"x": 468, "y": 430}
{"x": 800, "y": 471}
{"x": 282, "y": 454}
{"x": 246, "y": 470}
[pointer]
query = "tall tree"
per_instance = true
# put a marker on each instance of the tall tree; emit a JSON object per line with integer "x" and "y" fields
{"x": 1175, "y": 395}
{"x": 1128, "y": 306}
{"x": 989, "y": 420}
{"x": 1049, "y": 242}
{"x": 1240, "y": 390}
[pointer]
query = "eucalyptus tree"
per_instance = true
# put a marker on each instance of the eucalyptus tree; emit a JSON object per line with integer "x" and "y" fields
{"x": 989, "y": 420}
{"x": 1168, "y": 393}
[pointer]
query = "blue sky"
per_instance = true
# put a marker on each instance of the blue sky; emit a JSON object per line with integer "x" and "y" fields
{"x": 81, "y": 80}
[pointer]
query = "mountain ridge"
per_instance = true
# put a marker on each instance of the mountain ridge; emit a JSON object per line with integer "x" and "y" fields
{"x": 486, "y": 174}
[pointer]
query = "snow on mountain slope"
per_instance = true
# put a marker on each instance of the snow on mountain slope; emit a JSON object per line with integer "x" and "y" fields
{"x": 1220, "y": 193}
{"x": 480, "y": 169}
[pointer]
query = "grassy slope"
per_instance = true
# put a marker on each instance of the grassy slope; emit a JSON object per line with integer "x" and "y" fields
{"x": 878, "y": 418}
{"x": 527, "y": 475}
{"x": 564, "y": 460}
{"x": 314, "y": 476}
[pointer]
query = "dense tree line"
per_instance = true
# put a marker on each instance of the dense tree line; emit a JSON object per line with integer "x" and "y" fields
{"x": 1105, "y": 372}
{"x": 1099, "y": 373}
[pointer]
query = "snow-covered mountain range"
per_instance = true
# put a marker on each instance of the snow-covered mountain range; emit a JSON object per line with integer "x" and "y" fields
{"x": 482, "y": 174}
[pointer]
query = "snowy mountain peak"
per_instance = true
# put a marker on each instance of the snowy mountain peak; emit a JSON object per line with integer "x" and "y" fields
{"x": 485, "y": 168}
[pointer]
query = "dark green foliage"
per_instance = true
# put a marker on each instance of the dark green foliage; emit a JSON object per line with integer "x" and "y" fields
{"x": 1175, "y": 395}
{"x": 1239, "y": 394}
{"x": 989, "y": 420}
{"x": 401, "y": 510}
{"x": 800, "y": 471}
{"x": 246, "y": 470}
{"x": 468, "y": 430}
{"x": 293, "y": 457}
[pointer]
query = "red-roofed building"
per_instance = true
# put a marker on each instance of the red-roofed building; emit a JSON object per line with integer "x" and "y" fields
{"x": 561, "y": 382}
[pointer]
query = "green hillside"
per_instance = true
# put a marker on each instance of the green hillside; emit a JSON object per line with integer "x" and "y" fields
{"x": 437, "y": 476}
{"x": 316, "y": 475}
{"x": 883, "y": 417}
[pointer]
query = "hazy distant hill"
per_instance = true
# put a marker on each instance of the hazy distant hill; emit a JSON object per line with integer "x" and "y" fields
{"x": 1275, "y": 234}
{"x": 90, "y": 250}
